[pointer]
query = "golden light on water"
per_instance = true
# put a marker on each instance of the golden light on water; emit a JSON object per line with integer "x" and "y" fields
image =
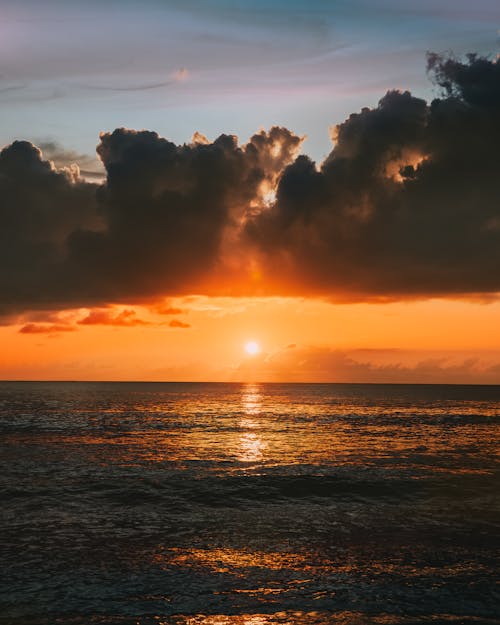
{"x": 251, "y": 448}
{"x": 251, "y": 399}
{"x": 251, "y": 445}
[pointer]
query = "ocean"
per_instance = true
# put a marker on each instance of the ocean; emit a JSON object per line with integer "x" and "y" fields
{"x": 232, "y": 504}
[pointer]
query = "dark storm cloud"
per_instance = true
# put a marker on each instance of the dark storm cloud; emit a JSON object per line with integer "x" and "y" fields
{"x": 154, "y": 227}
{"x": 40, "y": 208}
{"x": 406, "y": 205}
{"x": 476, "y": 81}
{"x": 167, "y": 207}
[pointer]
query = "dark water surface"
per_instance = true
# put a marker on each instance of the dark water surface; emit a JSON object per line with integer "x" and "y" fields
{"x": 225, "y": 504}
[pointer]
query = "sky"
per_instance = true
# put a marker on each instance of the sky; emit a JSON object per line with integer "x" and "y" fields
{"x": 180, "y": 178}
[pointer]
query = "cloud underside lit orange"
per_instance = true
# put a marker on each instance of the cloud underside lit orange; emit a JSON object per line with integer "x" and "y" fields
{"x": 406, "y": 206}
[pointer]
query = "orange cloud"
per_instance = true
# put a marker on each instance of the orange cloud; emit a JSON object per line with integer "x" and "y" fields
{"x": 175, "y": 323}
{"x": 126, "y": 318}
{"x": 323, "y": 364}
{"x": 43, "y": 328}
{"x": 167, "y": 310}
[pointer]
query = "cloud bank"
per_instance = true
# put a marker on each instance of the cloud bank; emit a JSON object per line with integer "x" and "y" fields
{"x": 322, "y": 364}
{"x": 406, "y": 205}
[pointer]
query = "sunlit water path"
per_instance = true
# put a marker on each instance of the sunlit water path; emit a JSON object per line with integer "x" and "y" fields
{"x": 229, "y": 504}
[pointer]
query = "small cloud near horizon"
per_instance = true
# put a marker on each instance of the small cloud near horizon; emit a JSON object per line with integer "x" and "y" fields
{"x": 176, "y": 323}
{"x": 324, "y": 364}
{"x": 125, "y": 318}
{"x": 42, "y": 328}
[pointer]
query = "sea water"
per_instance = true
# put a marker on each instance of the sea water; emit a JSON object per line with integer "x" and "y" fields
{"x": 232, "y": 504}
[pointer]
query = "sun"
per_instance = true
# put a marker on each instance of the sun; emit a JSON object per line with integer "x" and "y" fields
{"x": 252, "y": 348}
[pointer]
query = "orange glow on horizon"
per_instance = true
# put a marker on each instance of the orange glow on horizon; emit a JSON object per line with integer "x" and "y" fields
{"x": 207, "y": 339}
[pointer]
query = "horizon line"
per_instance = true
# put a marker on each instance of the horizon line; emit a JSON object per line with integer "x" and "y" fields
{"x": 51, "y": 381}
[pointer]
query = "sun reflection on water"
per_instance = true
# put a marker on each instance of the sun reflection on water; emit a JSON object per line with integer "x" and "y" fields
{"x": 251, "y": 448}
{"x": 251, "y": 445}
{"x": 254, "y": 427}
{"x": 251, "y": 398}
